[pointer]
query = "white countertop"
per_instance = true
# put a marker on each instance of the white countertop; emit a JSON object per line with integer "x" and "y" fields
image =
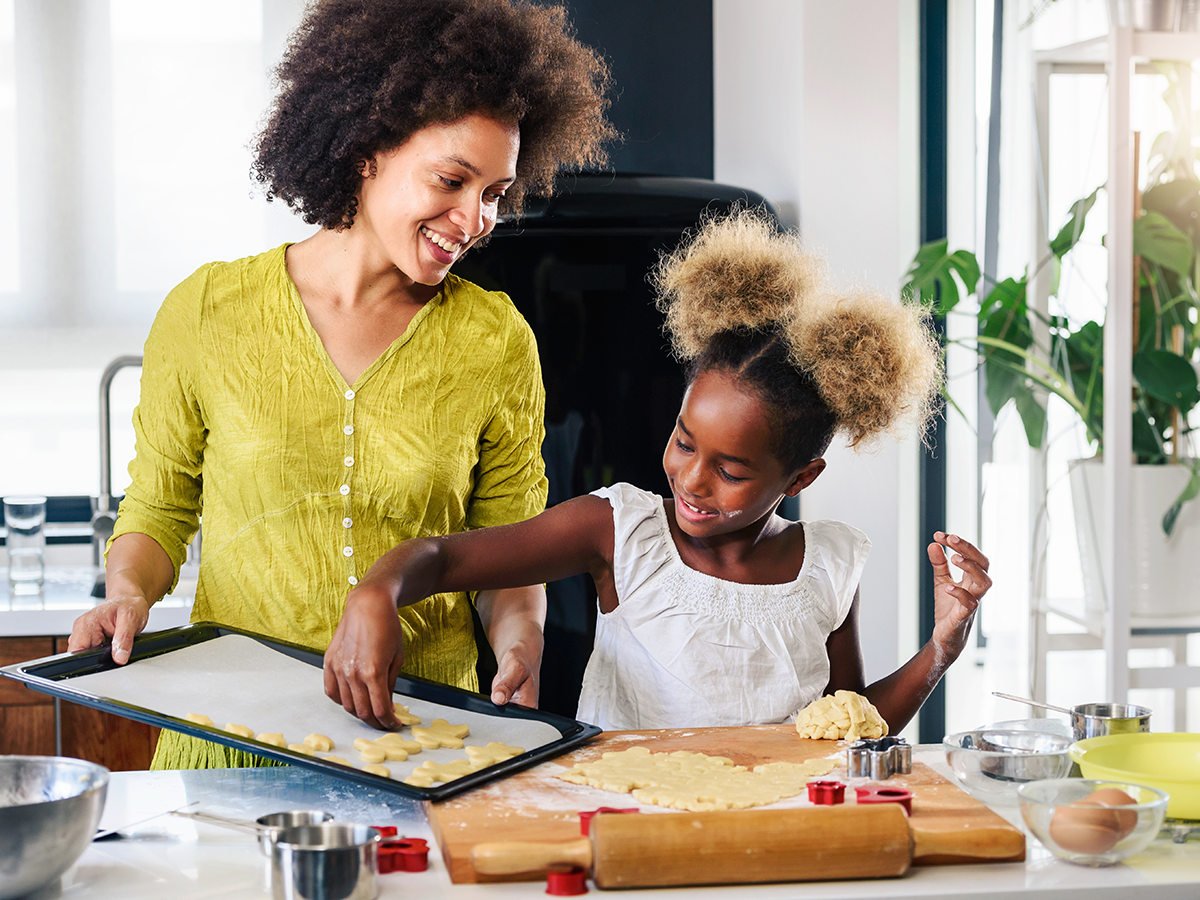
{"x": 67, "y": 595}
{"x": 178, "y": 859}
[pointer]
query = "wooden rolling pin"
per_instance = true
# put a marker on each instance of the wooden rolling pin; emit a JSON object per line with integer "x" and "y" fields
{"x": 746, "y": 847}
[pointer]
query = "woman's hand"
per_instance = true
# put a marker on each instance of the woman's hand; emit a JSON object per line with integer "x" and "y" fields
{"x": 955, "y": 602}
{"x": 121, "y": 618}
{"x": 513, "y": 619}
{"x": 137, "y": 574}
{"x": 365, "y": 656}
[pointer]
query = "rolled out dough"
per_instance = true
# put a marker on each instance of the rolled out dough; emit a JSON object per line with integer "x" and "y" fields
{"x": 694, "y": 781}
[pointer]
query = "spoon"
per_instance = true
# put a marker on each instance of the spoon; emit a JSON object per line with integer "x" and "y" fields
{"x": 1037, "y": 703}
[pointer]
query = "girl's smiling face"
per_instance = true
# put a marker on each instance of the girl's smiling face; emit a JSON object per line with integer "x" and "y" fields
{"x": 719, "y": 463}
{"x": 424, "y": 203}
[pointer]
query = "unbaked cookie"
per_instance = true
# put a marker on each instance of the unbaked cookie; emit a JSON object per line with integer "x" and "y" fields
{"x": 429, "y": 772}
{"x": 403, "y": 716}
{"x": 843, "y": 716}
{"x": 319, "y": 742}
{"x": 239, "y": 730}
{"x": 272, "y": 737}
{"x": 493, "y": 753}
{"x": 199, "y": 719}
{"x": 378, "y": 770}
{"x": 440, "y": 733}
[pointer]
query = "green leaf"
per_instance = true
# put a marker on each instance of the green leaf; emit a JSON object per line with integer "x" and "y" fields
{"x": 1156, "y": 238}
{"x": 1190, "y": 491}
{"x": 1167, "y": 377}
{"x": 1068, "y": 235}
{"x": 1033, "y": 417}
{"x": 1146, "y": 443}
{"x": 935, "y": 275}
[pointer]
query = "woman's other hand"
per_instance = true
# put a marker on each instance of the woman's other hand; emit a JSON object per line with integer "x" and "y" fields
{"x": 121, "y": 618}
{"x": 513, "y": 619}
{"x": 137, "y": 573}
{"x": 365, "y": 656}
{"x": 955, "y": 602}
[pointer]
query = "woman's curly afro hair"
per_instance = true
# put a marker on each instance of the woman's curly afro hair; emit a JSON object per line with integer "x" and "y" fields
{"x": 742, "y": 298}
{"x": 361, "y": 76}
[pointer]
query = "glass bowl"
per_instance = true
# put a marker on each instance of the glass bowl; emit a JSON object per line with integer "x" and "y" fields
{"x": 990, "y": 764}
{"x": 1091, "y": 835}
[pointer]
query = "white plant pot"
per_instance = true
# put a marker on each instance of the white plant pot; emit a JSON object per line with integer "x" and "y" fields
{"x": 1163, "y": 571}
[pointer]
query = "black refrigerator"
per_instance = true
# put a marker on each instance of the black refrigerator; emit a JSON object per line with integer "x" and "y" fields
{"x": 577, "y": 268}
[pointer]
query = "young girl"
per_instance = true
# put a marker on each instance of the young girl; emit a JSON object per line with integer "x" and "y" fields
{"x": 714, "y": 610}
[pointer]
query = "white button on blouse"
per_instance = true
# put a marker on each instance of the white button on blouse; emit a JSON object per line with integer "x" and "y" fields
{"x": 349, "y": 461}
{"x": 347, "y": 522}
{"x": 345, "y": 489}
{"x": 353, "y": 581}
{"x": 348, "y": 551}
{"x": 350, "y": 395}
{"x": 349, "y": 429}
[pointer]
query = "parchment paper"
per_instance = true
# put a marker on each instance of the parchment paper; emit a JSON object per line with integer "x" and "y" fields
{"x": 235, "y": 679}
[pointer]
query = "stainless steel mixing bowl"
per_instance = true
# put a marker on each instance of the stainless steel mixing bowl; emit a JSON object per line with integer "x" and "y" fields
{"x": 49, "y": 809}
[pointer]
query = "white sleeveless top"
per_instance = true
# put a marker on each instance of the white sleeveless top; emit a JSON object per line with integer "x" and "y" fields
{"x": 685, "y": 649}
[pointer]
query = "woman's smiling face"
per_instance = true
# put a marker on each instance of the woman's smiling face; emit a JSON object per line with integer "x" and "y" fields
{"x": 425, "y": 202}
{"x": 719, "y": 463}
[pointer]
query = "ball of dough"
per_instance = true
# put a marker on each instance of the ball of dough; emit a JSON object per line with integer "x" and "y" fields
{"x": 844, "y": 715}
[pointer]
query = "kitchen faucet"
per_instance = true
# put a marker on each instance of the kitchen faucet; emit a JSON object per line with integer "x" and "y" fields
{"x": 104, "y": 519}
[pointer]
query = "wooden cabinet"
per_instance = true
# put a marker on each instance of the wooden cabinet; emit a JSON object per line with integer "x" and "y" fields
{"x": 26, "y": 717}
{"x": 28, "y": 724}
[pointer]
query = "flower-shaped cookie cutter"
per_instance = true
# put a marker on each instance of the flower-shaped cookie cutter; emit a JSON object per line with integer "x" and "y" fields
{"x": 879, "y": 758}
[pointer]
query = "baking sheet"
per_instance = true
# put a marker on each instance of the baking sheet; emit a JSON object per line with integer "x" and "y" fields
{"x": 245, "y": 679}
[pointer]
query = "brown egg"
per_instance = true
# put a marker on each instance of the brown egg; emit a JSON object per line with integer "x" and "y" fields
{"x": 1085, "y": 827}
{"x": 1126, "y": 819}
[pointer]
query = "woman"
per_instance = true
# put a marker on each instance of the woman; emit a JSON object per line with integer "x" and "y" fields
{"x": 331, "y": 398}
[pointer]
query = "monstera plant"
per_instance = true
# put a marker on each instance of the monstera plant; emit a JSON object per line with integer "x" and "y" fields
{"x": 1070, "y": 364}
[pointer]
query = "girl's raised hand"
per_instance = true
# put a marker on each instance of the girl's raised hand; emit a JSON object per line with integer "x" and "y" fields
{"x": 955, "y": 602}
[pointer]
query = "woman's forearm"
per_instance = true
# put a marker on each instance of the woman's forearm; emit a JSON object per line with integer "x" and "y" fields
{"x": 513, "y": 619}
{"x": 137, "y": 566}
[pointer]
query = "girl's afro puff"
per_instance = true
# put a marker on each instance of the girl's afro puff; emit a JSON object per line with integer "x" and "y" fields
{"x": 736, "y": 273}
{"x": 742, "y": 297}
{"x": 875, "y": 362}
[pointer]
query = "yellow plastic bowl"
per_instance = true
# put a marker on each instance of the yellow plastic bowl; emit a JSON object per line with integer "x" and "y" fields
{"x": 1169, "y": 761}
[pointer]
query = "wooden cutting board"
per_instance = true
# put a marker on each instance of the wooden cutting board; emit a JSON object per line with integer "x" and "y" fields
{"x": 535, "y": 806}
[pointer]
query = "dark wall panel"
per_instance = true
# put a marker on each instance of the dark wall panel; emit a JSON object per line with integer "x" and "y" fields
{"x": 661, "y": 55}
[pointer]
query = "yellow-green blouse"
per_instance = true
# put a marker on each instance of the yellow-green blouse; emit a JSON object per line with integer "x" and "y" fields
{"x": 306, "y": 480}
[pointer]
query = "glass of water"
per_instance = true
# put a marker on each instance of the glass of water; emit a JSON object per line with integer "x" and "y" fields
{"x": 25, "y": 519}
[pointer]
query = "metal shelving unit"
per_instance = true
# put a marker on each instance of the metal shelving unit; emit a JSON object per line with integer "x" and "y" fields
{"x": 1119, "y": 55}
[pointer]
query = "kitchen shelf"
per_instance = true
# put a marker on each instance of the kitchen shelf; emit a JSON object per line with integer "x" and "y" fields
{"x": 1119, "y": 55}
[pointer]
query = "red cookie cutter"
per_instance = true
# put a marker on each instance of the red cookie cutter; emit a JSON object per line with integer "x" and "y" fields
{"x": 585, "y": 818}
{"x": 875, "y": 793}
{"x": 403, "y": 855}
{"x": 826, "y": 793}
{"x": 568, "y": 881}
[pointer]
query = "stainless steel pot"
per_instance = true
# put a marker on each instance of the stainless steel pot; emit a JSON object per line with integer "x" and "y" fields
{"x": 1098, "y": 719}
{"x": 330, "y": 861}
{"x": 49, "y": 809}
{"x": 1095, "y": 719}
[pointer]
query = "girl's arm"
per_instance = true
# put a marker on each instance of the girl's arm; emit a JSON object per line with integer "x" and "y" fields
{"x": 900, "y": 695}
{"x": 367, "y": 650}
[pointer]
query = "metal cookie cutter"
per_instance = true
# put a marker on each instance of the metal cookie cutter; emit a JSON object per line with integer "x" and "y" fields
{"x": 879, "y": 758}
